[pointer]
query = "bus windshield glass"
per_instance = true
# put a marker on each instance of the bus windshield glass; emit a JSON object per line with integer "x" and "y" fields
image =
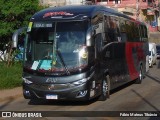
{"x": 57, "y": 46}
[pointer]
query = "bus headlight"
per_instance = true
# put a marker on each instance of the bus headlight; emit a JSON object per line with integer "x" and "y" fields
{"x": 83, "y": 53}
{"x": 26, "y": 81}
{"x": 79, "y": 82}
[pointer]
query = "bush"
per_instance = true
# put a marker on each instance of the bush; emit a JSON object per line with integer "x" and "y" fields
{"x": 10, "y": 77}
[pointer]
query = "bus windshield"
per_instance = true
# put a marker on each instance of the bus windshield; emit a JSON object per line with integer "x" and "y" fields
{"x": 57, "y": 46}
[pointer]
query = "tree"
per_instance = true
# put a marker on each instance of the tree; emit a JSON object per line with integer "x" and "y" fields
{"x": 13, "y": 15}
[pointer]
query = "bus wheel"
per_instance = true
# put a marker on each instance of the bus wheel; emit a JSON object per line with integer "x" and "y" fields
{"x": 140, "y": 78}
{"x": 105, "y": 89}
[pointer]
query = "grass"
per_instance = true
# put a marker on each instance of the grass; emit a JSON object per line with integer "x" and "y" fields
{"x": 10, "y": 77}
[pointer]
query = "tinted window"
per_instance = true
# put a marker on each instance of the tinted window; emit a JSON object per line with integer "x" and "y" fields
{"x": 158, "y": 48}
{"x": 111, "y": 28}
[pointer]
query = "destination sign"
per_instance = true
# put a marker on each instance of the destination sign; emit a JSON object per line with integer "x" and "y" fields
{"x": 42, "y": 25}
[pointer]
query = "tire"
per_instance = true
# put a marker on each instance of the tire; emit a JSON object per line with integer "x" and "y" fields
{"x": 105, "y": 89}
{"x": 155, "y": 62}
{"x": 141, "y": 75}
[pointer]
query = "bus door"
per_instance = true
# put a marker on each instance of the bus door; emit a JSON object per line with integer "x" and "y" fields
{"x": 114, "y": 51}
{"x": 97, "y": 23}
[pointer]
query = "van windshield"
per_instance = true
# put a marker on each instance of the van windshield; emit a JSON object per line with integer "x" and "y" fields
{"x": 158, "y": 48}
{"x": 54, "y": 46}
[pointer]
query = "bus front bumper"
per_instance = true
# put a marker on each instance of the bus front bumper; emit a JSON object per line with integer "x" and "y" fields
{"x": 60, "y": 92}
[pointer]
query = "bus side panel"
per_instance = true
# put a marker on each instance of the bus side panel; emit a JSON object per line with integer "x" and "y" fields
{"x": 135, "y": 55}
{"x": 115, "y": 60}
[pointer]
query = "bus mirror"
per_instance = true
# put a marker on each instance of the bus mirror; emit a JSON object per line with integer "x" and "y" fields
{"x": 15, "y": 36}
{"x": 89, "y": 41}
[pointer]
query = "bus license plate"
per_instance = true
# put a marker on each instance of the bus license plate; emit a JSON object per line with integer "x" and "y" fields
{"x": 51, "y": 97}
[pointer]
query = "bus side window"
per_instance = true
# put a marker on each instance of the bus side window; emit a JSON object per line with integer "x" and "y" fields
{"x": 136, "y": 32}
{"x": 132, "y": 39}
{"x": 145, "y": 31}
{"x": 98, "y": 45}
{"x": 111, "y": 28}
{"x": 98, "y": 42}
{"x": 129, "y": 30}
{"x": 141, "y": 32}
{"x": 118, "y": 35}
{"x": 123, "y": 31}
{"x": 106, "y": 27}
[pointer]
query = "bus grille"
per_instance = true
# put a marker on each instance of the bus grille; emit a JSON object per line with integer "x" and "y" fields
{"x": 50, "y": 86}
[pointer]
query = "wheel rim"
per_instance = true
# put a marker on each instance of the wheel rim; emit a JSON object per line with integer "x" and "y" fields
{"x": 105, "y": 88}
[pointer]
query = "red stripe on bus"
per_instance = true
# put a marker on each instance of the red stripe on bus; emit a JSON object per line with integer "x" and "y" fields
{"x": 133, "y": 59}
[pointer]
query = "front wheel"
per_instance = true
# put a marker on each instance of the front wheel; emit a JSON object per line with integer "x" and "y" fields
{"x": 105, "y": 89}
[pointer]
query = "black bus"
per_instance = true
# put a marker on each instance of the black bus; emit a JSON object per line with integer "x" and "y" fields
{"x": 81, "y": 52}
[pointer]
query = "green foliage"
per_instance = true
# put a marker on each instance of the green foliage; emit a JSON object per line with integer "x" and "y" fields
{"x": 10, "y": 77}
{"x": 13, "y": 15}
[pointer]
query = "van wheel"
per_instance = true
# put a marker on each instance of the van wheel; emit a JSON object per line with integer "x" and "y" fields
{"x": 140, "y": 78}
{"x": 105, "y": 89}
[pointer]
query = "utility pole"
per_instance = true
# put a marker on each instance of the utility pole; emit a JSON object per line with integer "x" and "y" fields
{"x": 159, "y": 6}
{"x": 137, "y": 9}
{"x": 159, "y": 15}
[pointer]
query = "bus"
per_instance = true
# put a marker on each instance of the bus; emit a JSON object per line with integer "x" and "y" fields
{"x": 81, "y": 52}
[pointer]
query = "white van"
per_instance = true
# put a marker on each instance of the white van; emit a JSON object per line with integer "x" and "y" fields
{"x": 152, "y": 54}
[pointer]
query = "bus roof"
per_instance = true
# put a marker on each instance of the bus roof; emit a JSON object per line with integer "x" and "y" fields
{"x": 73, "y": 12}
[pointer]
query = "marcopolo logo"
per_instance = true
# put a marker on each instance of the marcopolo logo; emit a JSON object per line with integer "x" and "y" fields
{"x": 51, "y": 80}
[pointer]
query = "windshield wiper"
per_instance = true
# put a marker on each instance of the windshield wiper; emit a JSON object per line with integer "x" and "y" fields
{"x": 62, "y": 61}
{"x": 58, "y": 52}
